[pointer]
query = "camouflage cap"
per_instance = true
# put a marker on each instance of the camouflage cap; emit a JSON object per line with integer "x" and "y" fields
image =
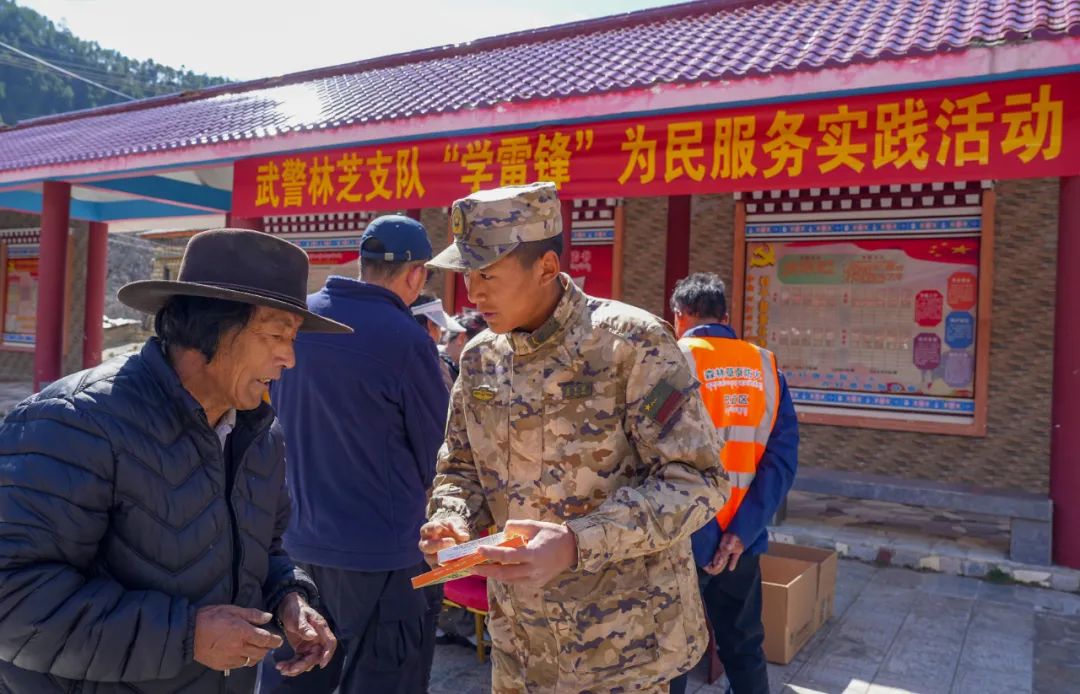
{"x": 490, "y": 223}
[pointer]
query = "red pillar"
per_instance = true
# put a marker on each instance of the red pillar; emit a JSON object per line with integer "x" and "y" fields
{"x": 1065, "y": 407}
{"x": 52, "y": 266}
{"x": 97, "y": 268}
{"x": 677, "y": 263}
{"x": 567, "y": 223}
{"x": 413, "y": 214}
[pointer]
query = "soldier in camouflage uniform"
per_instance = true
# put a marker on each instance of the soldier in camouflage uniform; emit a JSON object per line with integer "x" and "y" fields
{"x": 576, "y": 422}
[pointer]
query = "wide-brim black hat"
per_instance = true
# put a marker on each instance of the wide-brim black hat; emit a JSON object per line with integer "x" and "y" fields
{"x": 249, "y": 267}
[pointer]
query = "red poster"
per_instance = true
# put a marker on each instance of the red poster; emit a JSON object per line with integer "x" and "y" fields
{"x": 590, "y": 266}
{"x": 1025, "y": 128}
{"x": 332, "y": 257}
{"x": 928, "y": 307}
{"x": 962, "y": 290}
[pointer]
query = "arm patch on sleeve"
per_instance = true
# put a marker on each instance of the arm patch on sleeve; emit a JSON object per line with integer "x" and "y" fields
{"x": 662, "y": 402}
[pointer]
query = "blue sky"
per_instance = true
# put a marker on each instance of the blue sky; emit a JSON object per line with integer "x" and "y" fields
{"x": 245, "y": 39}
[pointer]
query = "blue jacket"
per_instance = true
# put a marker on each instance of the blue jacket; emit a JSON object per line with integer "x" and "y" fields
{"x": 364, "y": 417}
{"x": 775, "y": 473}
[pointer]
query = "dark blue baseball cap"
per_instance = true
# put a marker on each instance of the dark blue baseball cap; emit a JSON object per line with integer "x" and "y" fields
{"x": 403, "y": 239}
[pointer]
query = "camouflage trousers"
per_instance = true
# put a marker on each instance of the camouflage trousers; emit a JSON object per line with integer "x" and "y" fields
{"x": 508, "y": 676}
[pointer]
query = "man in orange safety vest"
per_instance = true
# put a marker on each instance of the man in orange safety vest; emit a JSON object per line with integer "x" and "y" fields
{"x": 748, "y": 399}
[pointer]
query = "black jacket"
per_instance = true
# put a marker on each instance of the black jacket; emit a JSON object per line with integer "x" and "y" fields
{"x": 115, "y": 527}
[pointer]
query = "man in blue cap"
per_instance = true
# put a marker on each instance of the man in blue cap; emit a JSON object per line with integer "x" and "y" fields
{"x": 363, "y": 416}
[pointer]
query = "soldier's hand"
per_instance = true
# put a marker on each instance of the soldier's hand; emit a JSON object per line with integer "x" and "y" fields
{"x": 727, "y": 554}
{"x": 439, "y": 535}
{"x": 228, "y": 637}
{"x": 552, "y": 549}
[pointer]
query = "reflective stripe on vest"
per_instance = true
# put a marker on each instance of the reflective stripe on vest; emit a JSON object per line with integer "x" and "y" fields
{"x": 741, "y": 389}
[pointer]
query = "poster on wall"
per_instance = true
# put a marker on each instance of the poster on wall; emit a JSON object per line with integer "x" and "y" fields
{"x": 877, "y": 324}
{"x": 334, "y": 256}
{"x": 591, "y": 258}
{"x": 20, "y": 310}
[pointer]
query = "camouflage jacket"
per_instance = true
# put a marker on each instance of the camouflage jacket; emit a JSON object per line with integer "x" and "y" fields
{"x": 593, "y": 420}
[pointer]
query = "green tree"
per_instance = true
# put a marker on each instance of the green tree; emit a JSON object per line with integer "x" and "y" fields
{"x": 29, "y": 89}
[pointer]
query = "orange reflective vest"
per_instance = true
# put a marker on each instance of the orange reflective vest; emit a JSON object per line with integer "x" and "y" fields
{"x": 741, "y": 389}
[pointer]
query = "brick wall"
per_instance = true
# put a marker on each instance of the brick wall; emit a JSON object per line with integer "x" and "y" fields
{"x": 75, "y": 333}
{"x": 18, "y": 220}
{"x": 643, "y": 253}
{"x": 712, "y": 235}
{"x": 1015, "y": 453}
{"x": 712, "y": 224}
{"x": 130, "y": 258}
{"x": 16, "y": 366}
{"x": 437, "y": 222}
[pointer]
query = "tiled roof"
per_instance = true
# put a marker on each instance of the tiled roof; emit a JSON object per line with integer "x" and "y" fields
{"x": 718, "y": 39}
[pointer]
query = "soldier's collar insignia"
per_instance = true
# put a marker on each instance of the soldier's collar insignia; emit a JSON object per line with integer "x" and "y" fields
{"x": 543, "y": 333}
{"x": 577, "y": 390}
{"x": 662, "y": 402}
{"x": 484, "y": 393}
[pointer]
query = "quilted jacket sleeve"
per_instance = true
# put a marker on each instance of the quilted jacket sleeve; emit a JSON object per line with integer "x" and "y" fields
{"x": 56, "y": 487}
{"x": 283, "y": 576}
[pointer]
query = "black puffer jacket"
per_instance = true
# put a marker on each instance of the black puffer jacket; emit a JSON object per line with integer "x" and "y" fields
{"x": 115, "y": 527}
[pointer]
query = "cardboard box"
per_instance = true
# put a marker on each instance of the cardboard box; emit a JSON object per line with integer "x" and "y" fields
{"x": 825, "y": 559}
{"x": 789, "y": 592}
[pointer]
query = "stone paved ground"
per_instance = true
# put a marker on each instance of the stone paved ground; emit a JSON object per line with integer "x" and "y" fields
{"x": 897, "y": 630}
{"x": 962, "y": 544}
{"x": 972, "y": 531}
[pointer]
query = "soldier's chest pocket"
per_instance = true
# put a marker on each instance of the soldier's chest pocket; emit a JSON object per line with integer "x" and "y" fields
{"x": 582, "y": 412}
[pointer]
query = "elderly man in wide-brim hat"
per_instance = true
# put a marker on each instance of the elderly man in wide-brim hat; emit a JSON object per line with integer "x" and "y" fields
{"x": 142, "y": 502}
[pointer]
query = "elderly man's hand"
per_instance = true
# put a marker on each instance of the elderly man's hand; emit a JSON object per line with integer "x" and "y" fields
{"x": 310, "y": 637}
{"x": 228, "y": 637}
{"x": 439, "y": 535}
{"x": 552, "y": 549}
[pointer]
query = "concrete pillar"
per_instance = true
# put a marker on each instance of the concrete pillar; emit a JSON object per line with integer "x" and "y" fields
{"x": 677, "y": 262}
{"x": 97, "y": 269}
{"x": 1065, "y": 407}
{"x": 52, "y": 269}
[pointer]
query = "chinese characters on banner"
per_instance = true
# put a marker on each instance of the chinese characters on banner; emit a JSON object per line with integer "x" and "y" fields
{"x": 886, "y": 324}
{"x": 1009, "y": 129}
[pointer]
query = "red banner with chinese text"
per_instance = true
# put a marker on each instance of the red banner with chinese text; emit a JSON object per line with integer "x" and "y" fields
{"x": 1025, "y": 128}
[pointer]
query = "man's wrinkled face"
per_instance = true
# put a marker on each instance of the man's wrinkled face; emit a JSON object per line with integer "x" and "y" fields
{"x": 248, "y": 359}
{"x": 507, "y": 293}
